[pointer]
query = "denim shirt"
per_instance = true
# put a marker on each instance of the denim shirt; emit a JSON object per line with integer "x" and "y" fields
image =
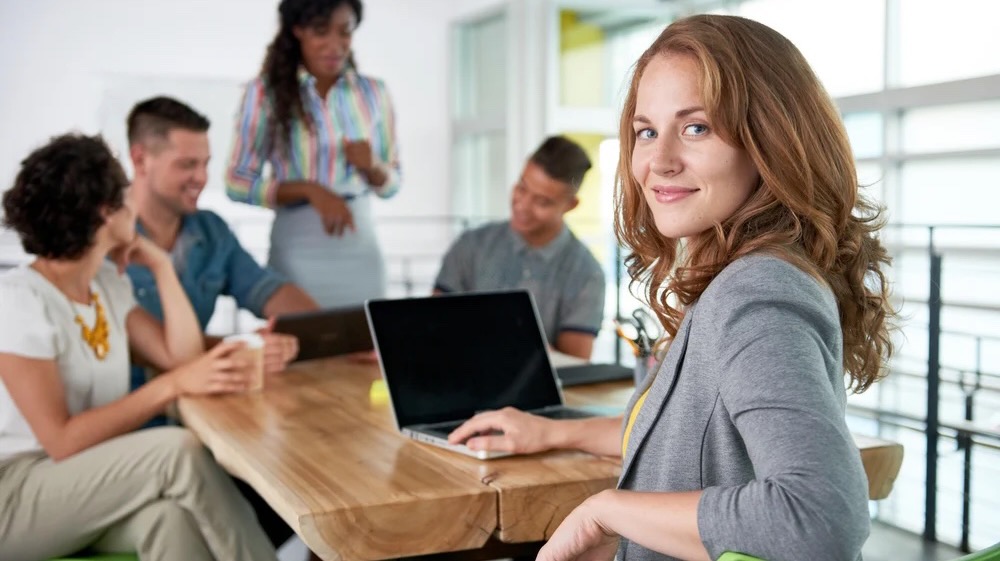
{"x": 210, "y": 262}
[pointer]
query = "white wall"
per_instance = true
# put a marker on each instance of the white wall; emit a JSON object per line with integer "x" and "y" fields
{"x": 79, "y": 64}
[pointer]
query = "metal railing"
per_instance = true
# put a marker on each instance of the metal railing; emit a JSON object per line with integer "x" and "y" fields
{"x": 967, "y": 434}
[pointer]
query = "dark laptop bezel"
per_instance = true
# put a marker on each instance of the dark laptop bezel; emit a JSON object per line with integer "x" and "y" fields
{"x": 456, "y": 299}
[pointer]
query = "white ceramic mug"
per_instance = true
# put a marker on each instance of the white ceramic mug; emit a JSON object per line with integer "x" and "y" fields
{"x": 254, "y": 352}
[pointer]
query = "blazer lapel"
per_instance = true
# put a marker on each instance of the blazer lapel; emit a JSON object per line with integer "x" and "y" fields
{"x": 660, "y": 388}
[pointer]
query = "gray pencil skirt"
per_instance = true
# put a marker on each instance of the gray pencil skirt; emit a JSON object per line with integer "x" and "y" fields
{"x": 335, "y": 270}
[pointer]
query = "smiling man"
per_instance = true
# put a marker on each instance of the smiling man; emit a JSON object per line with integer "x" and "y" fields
{"x": 168, "y": 146}
{"x": 536, "y": 250}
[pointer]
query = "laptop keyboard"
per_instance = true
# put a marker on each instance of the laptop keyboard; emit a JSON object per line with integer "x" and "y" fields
{"x": 444, "y": 429}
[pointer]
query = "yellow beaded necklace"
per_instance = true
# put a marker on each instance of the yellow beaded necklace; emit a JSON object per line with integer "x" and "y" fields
{"x": 96, "y": 337}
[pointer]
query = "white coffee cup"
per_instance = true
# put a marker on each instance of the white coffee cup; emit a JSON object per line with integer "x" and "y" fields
{"x": 253, "y": 351}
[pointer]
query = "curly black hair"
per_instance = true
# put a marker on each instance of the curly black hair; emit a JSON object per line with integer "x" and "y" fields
{"x": 59, "y": 194}
{"x": 281, "y": 64}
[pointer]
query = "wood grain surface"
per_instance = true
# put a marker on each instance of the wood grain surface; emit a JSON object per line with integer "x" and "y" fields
{"x": 328, "y": 458}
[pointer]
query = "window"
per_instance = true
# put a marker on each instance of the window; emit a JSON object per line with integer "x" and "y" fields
{"x": 866, "y": 133}
{"x": 945, "y": 128}
{"x": 479, "y": 118}
{"x": 947, "y": 41}
{"x": 844, "y": 41}
{"x": 482, "y": 68}
{"x": 951, "y": 191}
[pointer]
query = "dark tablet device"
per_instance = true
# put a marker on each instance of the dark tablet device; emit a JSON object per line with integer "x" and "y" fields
{"x": 329, "y": 332}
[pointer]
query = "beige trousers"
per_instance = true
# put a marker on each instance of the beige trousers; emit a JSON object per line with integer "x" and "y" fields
{"x": 156, "y": 492}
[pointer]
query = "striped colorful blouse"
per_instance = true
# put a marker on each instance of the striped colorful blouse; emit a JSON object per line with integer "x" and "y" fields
{"x": 356, "y": 107}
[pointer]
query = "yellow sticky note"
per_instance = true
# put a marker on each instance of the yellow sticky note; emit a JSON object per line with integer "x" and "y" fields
{"x": 378, "y": 394}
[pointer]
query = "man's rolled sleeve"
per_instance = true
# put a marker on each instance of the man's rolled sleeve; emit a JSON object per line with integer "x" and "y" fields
{"x": 455, "y": 274}
{"x": 249, "y": 283}
{"x": 584, "y": 311}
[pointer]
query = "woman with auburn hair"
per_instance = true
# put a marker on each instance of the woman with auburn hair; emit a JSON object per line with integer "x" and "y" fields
{"x": 739, "y": 203}
{"x": 328, "y": 134}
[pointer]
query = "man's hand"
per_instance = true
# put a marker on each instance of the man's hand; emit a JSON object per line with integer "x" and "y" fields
{"x": 279, "y": 349}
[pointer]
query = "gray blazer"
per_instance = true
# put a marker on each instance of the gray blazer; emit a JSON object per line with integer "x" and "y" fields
{"x": 748, "y": 406}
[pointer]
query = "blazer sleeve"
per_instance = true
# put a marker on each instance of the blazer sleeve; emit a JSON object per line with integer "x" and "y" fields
{"x": 780, "y": 363}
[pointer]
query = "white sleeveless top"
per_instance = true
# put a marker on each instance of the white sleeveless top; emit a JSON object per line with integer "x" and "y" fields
{"x": 37, "y": 321}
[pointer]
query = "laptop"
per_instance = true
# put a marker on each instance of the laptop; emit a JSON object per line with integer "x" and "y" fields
{"x": 445, "y": 358}
{"x": 329, "y": 332}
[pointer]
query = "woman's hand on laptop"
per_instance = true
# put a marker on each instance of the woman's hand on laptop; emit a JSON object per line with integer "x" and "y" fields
{"x": 507, "y": 430}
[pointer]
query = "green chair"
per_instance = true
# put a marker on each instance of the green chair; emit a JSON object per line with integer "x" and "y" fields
{"x": 101, "y": 557}
{"x": 731, "y": 556}
{"x": 989, "y": 554}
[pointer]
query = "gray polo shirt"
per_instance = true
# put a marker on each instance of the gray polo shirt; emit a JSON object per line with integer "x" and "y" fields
{"x": 564, "y": 278}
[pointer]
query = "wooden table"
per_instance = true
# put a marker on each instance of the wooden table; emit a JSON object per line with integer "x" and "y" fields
{"x": 332, "y": 464}
{"x": 882, "y": 460}
{"x": 330, "y": 461}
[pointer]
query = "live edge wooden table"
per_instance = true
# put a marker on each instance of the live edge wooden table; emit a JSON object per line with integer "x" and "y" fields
{"x": 330, "y": 462}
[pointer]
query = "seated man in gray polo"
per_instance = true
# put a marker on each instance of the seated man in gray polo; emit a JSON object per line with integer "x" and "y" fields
{"x": 535, "y": 250}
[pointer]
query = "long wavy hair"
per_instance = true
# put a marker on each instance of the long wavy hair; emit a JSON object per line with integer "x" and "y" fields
{"x": 284, "y": 56}
{"x": 761, "y": 95}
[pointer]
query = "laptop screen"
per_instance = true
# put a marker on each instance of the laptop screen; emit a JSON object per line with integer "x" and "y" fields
{"x": 447, "y": 357}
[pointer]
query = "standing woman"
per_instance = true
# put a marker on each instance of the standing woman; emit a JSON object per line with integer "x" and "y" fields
{"x": 74, "y": 472}
{"x": 328, "y": 134}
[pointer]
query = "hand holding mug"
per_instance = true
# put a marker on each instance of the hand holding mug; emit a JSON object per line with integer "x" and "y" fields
{"x": 221, "y": 370}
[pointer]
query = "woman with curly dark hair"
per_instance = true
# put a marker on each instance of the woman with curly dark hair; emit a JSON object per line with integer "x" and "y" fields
{"x": 328, "y": 134}
{"x": 739, "y": 203}
{"x": 74, "y": 474}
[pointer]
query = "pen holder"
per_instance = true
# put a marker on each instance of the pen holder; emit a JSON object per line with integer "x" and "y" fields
{"x": 642, "y": 362}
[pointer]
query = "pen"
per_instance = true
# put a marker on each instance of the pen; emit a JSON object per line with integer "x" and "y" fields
{"x": 642, "y": 346}
{"x": 632, "y": 343}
